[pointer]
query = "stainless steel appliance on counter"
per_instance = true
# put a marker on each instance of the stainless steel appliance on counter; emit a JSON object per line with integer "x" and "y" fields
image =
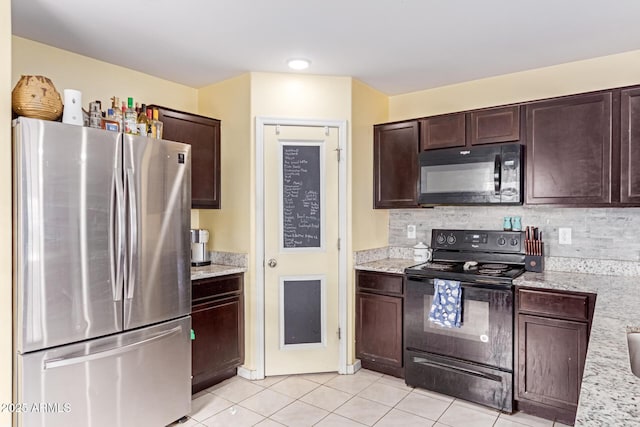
{"x": 472, "y": 176}
{"x": 199, "y": 252}
{"x": 102, "y": 277}
{"x": 475, "y": 361}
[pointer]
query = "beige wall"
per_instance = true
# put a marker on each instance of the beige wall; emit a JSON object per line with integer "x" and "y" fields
{"x": 97, "y": 80}
{"x": 231, "y": 227}
{"x": 369, "y": 227}
{"x": 298, "y": 96}
{"x": 574, "y": 77}
{"x": 5, "y": 210}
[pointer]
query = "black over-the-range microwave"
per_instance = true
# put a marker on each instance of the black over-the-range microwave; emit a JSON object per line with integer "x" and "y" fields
{"x": 472, "y": 176}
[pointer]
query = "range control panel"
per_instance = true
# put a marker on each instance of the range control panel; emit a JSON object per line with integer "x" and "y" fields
{"x": 478, "y": 240}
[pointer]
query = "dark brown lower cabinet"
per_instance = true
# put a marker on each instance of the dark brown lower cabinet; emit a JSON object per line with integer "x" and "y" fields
{"x": 217, "y": 319}
{"x": 551, "y": 341}
{"x": 379, "y": 310}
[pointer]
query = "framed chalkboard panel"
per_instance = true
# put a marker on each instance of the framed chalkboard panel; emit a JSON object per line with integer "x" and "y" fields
{"x": 302, "y": 311}
{"x": 301, "y": 197}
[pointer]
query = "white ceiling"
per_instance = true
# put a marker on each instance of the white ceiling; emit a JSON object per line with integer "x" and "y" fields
{"x": 395, "y": 46}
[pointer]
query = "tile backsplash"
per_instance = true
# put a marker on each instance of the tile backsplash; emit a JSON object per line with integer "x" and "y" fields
{"x": 600, "y": 233}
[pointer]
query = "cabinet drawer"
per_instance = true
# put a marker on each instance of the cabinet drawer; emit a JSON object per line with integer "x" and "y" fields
{"x": 564, "y": 305}
{"x": 204, "y": 289}
{"x": 379, "y": 282}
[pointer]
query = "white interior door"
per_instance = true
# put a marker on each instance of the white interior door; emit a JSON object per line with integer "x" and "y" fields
{"x": 301, "y": 233}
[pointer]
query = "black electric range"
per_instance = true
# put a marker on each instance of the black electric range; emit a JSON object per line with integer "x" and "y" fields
{"x": 475, "y": 256}
{"x": 474, "y": 361}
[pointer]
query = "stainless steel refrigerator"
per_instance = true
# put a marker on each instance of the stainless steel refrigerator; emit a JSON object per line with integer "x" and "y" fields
{"x": 102, "y": 289}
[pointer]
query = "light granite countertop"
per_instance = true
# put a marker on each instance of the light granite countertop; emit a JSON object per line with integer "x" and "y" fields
{"x": 610, "y": 393}
{"x": 214, "y": 270}
{"x": 387, "y": 265}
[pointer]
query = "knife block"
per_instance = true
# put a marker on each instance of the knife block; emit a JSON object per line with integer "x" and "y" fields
{"x": 534, "y": 263}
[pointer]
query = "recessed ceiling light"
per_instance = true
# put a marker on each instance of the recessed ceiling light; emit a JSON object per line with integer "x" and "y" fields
{"x": 298, "y": 64}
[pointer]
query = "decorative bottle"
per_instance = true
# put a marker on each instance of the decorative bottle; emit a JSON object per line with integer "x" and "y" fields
{"x": 130, "y": 119}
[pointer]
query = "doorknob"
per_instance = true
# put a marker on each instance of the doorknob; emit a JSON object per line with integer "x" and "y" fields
{"x": 272, "y": 263}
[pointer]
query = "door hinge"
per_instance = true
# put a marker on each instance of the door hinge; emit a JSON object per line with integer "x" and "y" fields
{"x": 339, "y": 334}
{"x": 326, "y": 130}
{"x": 277, "y": 129}
{"x": 338, "y": 243}
{"x": 338, "y": 150}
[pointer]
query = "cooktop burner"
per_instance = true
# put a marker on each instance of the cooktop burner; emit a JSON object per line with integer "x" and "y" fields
{"x": 474, "y": 256}
{"x": 456, "y": 271}
{"x": 489, "y": 271}
{"x": 499, "y": 267}
{"x": 440, "y": 266}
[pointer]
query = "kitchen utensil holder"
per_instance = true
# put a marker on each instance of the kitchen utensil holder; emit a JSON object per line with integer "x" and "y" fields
{"x": 534, "y": 263}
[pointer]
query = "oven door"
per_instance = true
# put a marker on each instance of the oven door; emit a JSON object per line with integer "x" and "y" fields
{"x": 486, "y": 334}
{"x": 476, "y": 176}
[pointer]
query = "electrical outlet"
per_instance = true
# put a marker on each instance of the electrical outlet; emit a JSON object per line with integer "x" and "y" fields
{"x": 564, "y": 235}
{"x": 411, "y": 231}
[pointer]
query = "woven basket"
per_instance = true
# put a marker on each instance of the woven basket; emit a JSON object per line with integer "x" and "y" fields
{"x": 37, "y": 97}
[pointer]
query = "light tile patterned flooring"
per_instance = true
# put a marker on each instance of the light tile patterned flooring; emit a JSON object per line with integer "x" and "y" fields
{"x": 330, "y": 400}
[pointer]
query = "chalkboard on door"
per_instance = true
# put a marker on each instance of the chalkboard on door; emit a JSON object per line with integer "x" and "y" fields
{"x": 301, "y": 197}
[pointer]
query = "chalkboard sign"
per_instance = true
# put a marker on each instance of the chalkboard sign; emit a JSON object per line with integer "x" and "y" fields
{"x": 302, "y": 311}
{"x": 301, "y": 210}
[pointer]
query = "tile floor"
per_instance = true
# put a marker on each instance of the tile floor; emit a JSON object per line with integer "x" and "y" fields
{"x": 329, "y": 400}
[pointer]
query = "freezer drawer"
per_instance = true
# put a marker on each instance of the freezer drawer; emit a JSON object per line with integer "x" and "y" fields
{"x": 138, "y": 378}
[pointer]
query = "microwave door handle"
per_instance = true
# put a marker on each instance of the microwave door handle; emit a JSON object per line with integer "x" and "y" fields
{"x": 497, "y": 175}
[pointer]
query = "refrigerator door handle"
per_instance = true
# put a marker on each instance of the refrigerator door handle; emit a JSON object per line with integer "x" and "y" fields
{"x": 117, "y": 222}
{"x": 57, "y": 363}
{"x": 133, "y": 238}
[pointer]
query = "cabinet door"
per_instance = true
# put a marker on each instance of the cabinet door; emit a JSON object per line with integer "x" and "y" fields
{"x": 443, "y": 131}
{"x": 569, "y": 150}
{"x": 203, "y": 133}
{"x": 219, "y": 340}
{"x": 379, "y": 328}
{"x": 495, "y": 125}
{"x": 551, "y": 355}
{"x": 630, "y": 147}
{"x": 395, "y": 167}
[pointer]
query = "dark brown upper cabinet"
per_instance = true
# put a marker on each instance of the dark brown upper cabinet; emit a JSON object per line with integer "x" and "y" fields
{"x": 395, "y": 165}
{"x": 494, "y": 125}
{"x": 630, "y": 146}
{"x": 569, "y": 150}
{"x": 487, "y": 126}
{"x": 203, "y": 134}
{"x": 446, "y": 131}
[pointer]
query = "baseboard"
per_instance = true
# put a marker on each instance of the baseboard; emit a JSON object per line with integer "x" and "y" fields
{"x": 352, "y": 369}
{"x": 248, "y": 374}
{"x": 252, "y": 375}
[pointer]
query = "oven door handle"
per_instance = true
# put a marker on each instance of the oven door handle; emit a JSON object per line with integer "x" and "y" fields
{"x": 457, "y": 369}
{"x": 497, "y": 174}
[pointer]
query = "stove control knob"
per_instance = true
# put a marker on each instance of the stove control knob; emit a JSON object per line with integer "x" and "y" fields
{"x": 441, "y": 239}
{"x": 514, "y": 242}
{"x": 502, "y": 241}
{"x": 451, "y": 239}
